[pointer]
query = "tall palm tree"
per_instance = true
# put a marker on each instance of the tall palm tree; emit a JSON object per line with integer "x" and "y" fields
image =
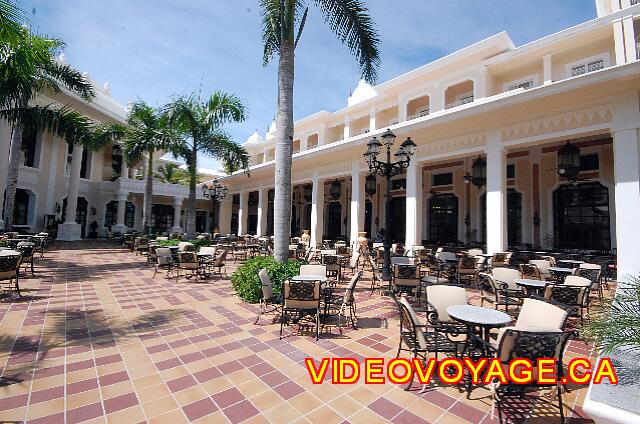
{"x": 28, "y": 68}
{"x": 145, "y": 134}
{"x": 282, "y": 25}
{"x": 10, "y": 17}
{"x": 200, "y": 122}
{"x": 170, "y": 173}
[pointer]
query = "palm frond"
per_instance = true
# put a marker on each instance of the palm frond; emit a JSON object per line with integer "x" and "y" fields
{"x": 70, "y": 78}
{"x": 350, "y": 21}
{"x": 222, "y": 108}
{"x": 271, "y": 28}
{"x": 220, "y": 145}
{"x": 10, "y": 17}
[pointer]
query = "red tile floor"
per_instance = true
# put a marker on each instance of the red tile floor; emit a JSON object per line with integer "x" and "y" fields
{"x": 97, "y": 339}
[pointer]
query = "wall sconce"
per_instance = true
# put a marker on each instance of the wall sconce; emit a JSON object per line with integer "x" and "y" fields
{"x": 93, "y": 210}
{"x": 58, "y": 207}
{"x": 536, "y": 219}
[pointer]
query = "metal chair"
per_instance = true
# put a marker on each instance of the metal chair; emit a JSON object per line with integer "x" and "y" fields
{"x": 301, "y": 300}
{"x": 9, "y": 265}
{"x": 268, "y": 297}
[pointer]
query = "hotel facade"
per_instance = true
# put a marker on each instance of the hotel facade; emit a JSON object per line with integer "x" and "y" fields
{"x": 512, "y": 107}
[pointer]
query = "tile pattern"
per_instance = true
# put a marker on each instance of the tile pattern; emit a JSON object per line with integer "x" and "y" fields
{"x": 97, "y": 339}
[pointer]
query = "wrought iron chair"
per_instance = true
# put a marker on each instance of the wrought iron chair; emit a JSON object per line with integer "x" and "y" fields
{"x": 220, "y": 263}
{"x": 499, "y": 293}
{"x": 446, "y": 335}
{"x": 333, "y": 266}
{"x": 188, "y": 262}
{"x": 500, "y": 259}
{"x": 301, "y": 300}
{"x": 530, "y": 272}
{"x": 543, "y": 266}
{"x": 9, "y": 266}
{"x": 26, "y": 249}
{"x": 531, "y": 345}
{"x": 340, "y": 303}
{"x": 406, "y": 278}
{"x": 468, "y": 270}
{"x": 593, "y": 273}
{"x": 164, "y": 260}
{"x": 573, "y": 292}
{"x": 268, "y": 297}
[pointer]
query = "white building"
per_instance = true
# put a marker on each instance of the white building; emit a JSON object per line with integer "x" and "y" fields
{"x": 107, "y": 192}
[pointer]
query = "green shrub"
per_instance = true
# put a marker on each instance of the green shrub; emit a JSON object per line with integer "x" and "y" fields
{"x": 246, "y": 283}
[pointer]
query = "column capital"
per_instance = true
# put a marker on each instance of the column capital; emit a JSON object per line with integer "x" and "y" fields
{"x": 177, "y": 201}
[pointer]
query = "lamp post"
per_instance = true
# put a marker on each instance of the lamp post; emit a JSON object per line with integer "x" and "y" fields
{"x": 216, "y": 192}
{"x": 388, "y": 169}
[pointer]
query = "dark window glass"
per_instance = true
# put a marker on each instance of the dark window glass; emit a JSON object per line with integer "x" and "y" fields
{"x": 236, "y": 199}
{"x": 400, "y": 184}
{"x": 21, "y": 208}
{"x": 443, "y": 179}
{"x": 161, "y": 218}
{"x": 29, "y": 149}
{"x": 589, "y": 162}
{"x": 514, "y": 218}
{"x": 581, "y": 215}
{"x": 111, "y": 214}
{"x": 511, "y": 171}
{"x": 443, "y": 218}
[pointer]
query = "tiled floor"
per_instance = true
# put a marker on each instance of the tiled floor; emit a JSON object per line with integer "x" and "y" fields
{"x": 97, "y": 338}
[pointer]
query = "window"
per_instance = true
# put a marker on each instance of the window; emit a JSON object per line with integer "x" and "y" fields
{"x": 400, "y": 184}
{"x": 581, "y": 217}
{"x": 111, "y": 214}
{"x": 21, "y": 208}
{"x": 511, "y": 171}
{"x": 85, "y": 165}
{"x": 443, "y": 218}
{"x": 514, "y": 218}
{"x": 442, "y": 179}
{"x": 161, "y": 218}
{"x": 29, "y": 144}
{"x": 525, "y": 83}
{"x": 589, "y": 162}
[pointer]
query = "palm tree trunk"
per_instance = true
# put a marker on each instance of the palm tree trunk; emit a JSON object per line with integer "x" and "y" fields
{"x": 284, "y": 140}
{"x": 192, "y": 165}
{"x": 12, "y": 176}
{"x": 148, "y": 194}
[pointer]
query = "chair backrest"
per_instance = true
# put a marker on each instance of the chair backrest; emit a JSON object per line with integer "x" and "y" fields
{"x": 185, "y": 246}
{"x": 500, "y": 259}
{"x": 162, "y": 238}
{"x": 533, "y": 345}
{"x": 446, "y": 256}
{"x": 313, "y": 270}
{"x": 301, "y": 294}
{"x": 592, "y": 274}
{"x": 209, "y": 250}
{"x": 540, "y": 314}
{"x": 221, "y": 258}
{"x": 567, "y": 294}
{"x": 331, "y": 262}
{"x": 575, "y": 280}
{"x": 341, "y": 249}
{"x": 164, "y": 255}
{"x": 475, "y": 252}
{"x": 355, "y": 257}
{"x": 9, "y": 266}
{"x": 351, "y": 287}
{"x": 530, "y": 271}
{"x": 468, "y": 263}
{"x": 26, "y": 249}
{"x": 409, "y": 322}
{"x": 506, "y": 276}
{"x": 440, "y": 297}
{"x": 187, "y": 257}
{"x": 542, "y": 264}
{"x": 587, "y": 265}
{"x": 406, "y": 275}
{"x": 267, "y": 289}
{"x": 376, "y": 245}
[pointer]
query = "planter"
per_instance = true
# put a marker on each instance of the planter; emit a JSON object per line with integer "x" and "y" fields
{"x": 305, "y": 236}
{"x": 363, "y": 242}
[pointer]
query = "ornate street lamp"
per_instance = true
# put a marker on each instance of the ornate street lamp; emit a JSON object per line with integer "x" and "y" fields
{"x": 216, "y": 192}
{"x": 388, "y": 169}
{"x": 336, "y": 190}
{"x": 370, "y": 185}
{"x": 569, "y": 162}
{"x": 478, "y": 175}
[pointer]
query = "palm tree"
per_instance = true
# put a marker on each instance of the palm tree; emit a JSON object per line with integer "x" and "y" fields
{"x": 27, "y": 69}
{"x": 145, "y": 134}
{"x": 170, "y": 173}
{"x": 10, "y": 17}
{"x": 200, "y": 123}
{"x": 282, "y": 25}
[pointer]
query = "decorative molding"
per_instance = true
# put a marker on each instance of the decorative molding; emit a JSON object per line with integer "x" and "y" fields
{"x": 559, "y": 122}
{"x": 334, "y": 168}
{"x": 450, "y": 145}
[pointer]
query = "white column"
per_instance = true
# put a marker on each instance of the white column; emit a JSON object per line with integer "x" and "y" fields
{"x": 615, "y": 5}
{"x": 618, "y": 38}
{"x": 242, "y": 213}
{"x": 629, "y": 39}
{"x": 263, "y": 207}
{"x": 496, "y": 200}
{"x": 70, "y": 230}
{"x": 402, "y": 109}
{"x": 626, "y": 153}
{"x": 436, "y": 101}
{"x": 413, "y": 229}
{"x": 357, "y": 203}
{"x": 224, "y": 214}
{"x": 177, "y": 209}
{"x": 372, "y": 119}
{"x": 547, "y": 69}
{"x": 120, "y": 227}
{"x": 625, "y": 3}
{"x": 347, "y": 127}
{"x": 317, "y": 211}
{"x": 124, "y": 169}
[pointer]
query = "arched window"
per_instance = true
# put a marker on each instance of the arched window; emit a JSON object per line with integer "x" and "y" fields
{"x": 443, "y": 218}
{"x": 581, "y": 215}
{"x": 111, "y": 214}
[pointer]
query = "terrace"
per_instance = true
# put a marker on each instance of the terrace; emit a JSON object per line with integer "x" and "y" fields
{"x": 96, "y": 337}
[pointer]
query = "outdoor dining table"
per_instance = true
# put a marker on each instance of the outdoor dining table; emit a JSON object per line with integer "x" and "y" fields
{"x": 573, "y": 263}
{"x": 8, "y": 252}
{"x": 482, "y": 319}
{"x": 531, "y": 286}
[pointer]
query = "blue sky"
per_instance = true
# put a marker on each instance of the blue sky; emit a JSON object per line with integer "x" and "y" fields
{"x": 153, "y": 49}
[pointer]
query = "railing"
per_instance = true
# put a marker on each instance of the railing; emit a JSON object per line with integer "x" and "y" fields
{"x": 460, "y": 102}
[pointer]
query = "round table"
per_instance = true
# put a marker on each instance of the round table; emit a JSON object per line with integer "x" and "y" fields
{"x": 561, "y": 273}
{"x": 9, "y": 252}
{"x": 571, "y": 262}
{"x": 531, "y": 286}
{"x": 322, "y": 278}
